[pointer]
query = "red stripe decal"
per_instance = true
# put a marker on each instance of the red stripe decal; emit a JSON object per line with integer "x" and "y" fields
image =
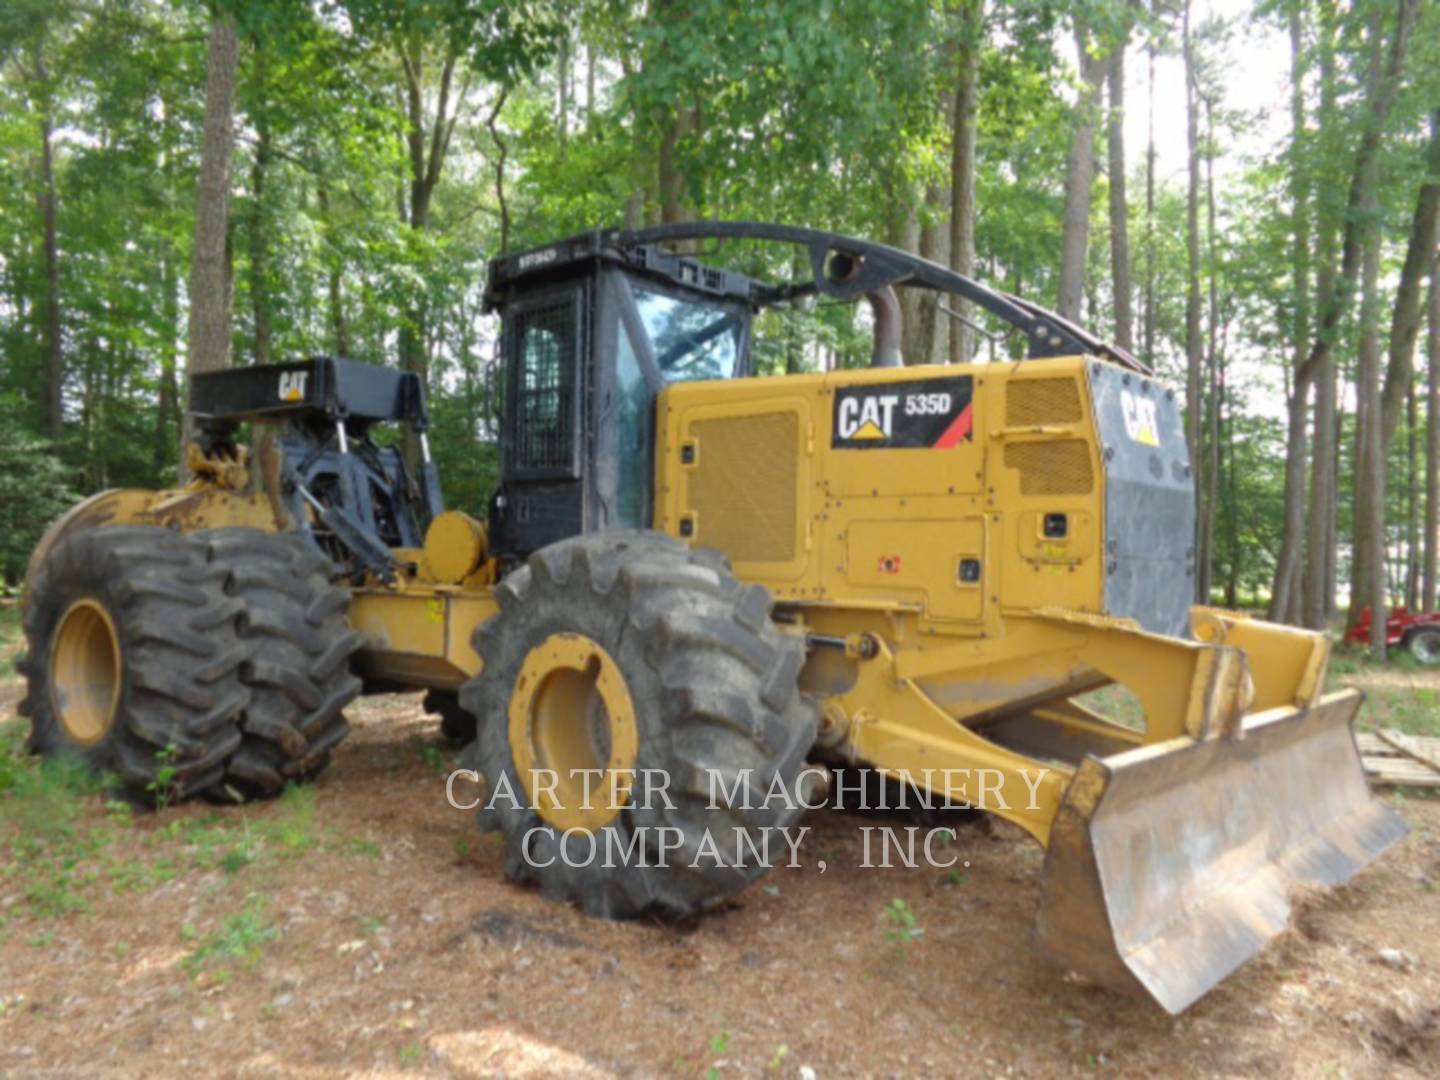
{"x": 959, "y": 429}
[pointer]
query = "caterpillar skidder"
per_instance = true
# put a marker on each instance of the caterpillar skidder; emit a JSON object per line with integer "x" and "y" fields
{"x": 688, "y": 570}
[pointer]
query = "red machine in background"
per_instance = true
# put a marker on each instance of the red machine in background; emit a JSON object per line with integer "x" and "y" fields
{"x": 1418, "y": 633}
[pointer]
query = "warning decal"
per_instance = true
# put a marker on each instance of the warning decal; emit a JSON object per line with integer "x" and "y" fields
{"x": 915, "y": 414}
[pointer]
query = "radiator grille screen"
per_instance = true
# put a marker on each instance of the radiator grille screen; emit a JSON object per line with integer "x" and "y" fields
{"x": 743, "y": 486}
{"x": 1037, "y": 402}
{"x": 1052, "y": 468}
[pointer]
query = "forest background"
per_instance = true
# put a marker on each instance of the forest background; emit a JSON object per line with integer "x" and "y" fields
{"x": 1247, "y": 196}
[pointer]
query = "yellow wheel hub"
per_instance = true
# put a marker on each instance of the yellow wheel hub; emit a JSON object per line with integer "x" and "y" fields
{"x": 85, "y": 671}
{"x": 572, "y": 732}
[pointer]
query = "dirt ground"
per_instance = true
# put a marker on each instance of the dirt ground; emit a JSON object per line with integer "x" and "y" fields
{"x": 362, "y": 926}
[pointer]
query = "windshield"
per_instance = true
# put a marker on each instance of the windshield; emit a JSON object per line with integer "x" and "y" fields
{"x": 691, "y": 339}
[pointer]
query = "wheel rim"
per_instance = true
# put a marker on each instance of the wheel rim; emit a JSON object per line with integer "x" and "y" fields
{"x": 1426, "y": 648}
{"x": 85, "y": 672}
{"x": 572, "y": 732}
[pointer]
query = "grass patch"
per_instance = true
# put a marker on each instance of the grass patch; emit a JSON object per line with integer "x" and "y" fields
{"x": 1415, "y": 711}
{"x": 53, "y": 854}
{"x": 12, "y": 640}
{"x": 291, "y": 830}
{"x": 240, "y": 940}
{"x": 1115, "y": 702}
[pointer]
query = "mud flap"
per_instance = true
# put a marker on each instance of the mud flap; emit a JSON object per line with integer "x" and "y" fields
{"x": 1172, "y": 864}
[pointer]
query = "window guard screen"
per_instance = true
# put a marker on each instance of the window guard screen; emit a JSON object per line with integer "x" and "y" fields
{"x": 545, "y": 374}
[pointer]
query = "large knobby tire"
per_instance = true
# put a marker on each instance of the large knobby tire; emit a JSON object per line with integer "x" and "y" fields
{"x": 298, "y": 670}
{"x": 133, "y": 661}
{"x": 713, "y": 689}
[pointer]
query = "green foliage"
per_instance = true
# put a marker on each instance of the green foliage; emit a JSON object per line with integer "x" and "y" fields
{"x": 35, "y": 488}
{"x": 902, "y": 926}
{"x": 835, "y": 114}
{"x": 241, "y": 939}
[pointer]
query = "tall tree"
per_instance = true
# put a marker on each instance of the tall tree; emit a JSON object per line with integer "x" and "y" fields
{"x": 1432, "y": 441}
{"x": 1121, "y": 285}
{"x": 208, "y": 347}
{"x": 1080, "y": 167}
{"x": 1287, "y": 596}
{"x": 1194, "y": 343}
{"x": 258, "y": 234}
{"x": 1149, "y": 327}
{"x": 1321, "y": 528}
{"x": 1334, "y": 302}
{"x": 962, "y": 162}
{"x": 54, "y": 378}
{"x": 1383, "y": 407}
{"x": 1407, "y": 315}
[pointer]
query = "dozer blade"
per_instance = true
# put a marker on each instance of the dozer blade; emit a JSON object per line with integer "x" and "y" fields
{"x": 1170, "y": 865}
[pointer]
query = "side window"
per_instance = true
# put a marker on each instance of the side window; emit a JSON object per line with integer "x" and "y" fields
{"x": 632, "y": 442}
{"x": 544, "y": 368}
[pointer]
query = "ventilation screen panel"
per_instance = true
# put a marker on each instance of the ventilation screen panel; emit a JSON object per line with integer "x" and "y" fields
{"x": 1061, "y": 467}
{"x": 743, "y": 488}
{"x": 545, "y": 387}
{"x": 1041, "y": 402}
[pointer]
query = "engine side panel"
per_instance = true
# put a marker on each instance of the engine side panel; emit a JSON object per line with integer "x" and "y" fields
{"x": 952, "y": 492}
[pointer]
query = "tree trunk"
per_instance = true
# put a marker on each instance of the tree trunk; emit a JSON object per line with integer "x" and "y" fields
{"x": 167, "y": 414}
{"x": 589, "y": 83}
{"x": 1119, "y": 208}
{"x": 672, "y": 178}
{"x": 53, "y": 379}
{"x": 426, "y": 151}
{"x": 1292, "y": 591}
{"x": 1194, "y": 345}
{"x": 562, "y": 118}
{"x": 1232, "y": 516}
{"x": 1368, "y": 575}
{"x": 208, "y": 346}
{"x": 1079, "y": 176}
{"x": 1432, "y": 440}
{"x": 335, "y": 281}
{"x": 1405, "y": 322}
{"x": 1323, "y": 536}
{"x": 1412, "y": 498}
{"x": 1382, "y": 84}
{"x": 929, "y": 342}
{"x": 1149, "y": 335}
{"x": 962, "y": 167}
{"x": 259, "y": 262}
{"x": 1206, "y": 563}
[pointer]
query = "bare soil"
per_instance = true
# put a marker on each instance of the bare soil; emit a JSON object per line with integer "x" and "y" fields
{"x": 364, "y": 927}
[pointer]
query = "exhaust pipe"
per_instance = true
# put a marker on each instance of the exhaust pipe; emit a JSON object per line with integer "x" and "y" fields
{"x": 842, "y": 268}
{"x": 885, "y": 306}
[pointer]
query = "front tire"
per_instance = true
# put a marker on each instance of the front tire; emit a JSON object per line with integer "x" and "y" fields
{"x": 632, "y": 655}
{"x": 133, "y": 662}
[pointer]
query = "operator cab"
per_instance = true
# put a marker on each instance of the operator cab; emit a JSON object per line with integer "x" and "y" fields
{"x": 594, "y": 327}
{"x": 591, "y": 334}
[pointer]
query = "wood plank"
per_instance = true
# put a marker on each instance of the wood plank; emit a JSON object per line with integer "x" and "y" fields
{"x": 1407, "y": 745}
{"x": 1400, "y": 771}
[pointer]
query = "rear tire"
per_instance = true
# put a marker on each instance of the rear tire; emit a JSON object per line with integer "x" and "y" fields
{"x": 709, "y": 688}
{"x": 1424, "y": 645}
{"x": 133, "y": 662}
{"x": 298, "y": 672}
